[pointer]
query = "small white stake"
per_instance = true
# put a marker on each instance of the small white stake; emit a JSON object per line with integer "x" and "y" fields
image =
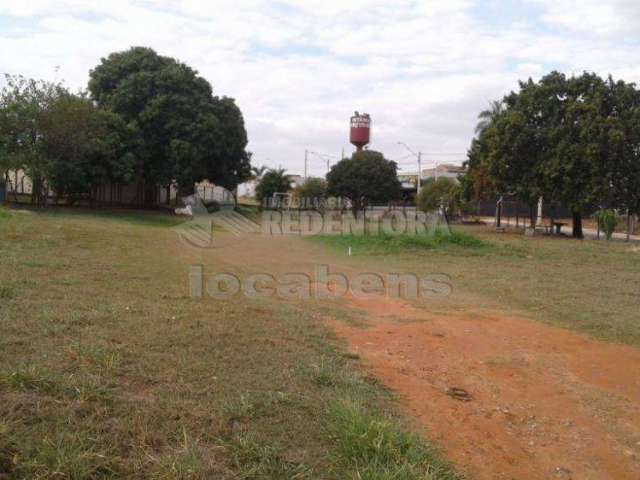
{"x": 349, "y": 251}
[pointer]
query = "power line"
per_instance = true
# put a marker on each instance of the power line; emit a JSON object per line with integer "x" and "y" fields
{"x": 443, "y": 154}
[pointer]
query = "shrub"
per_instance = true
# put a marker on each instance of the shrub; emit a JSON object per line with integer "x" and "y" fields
{"x": 607, "y": 221}
{"x": 444, "y": 193}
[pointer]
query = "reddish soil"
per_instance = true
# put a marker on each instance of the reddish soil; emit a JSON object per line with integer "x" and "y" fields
{"x": 546, "y": 403}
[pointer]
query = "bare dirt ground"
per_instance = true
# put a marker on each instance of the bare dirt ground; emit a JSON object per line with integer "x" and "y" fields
{"x": 504, "y": 396}
{"x": 542, "y": 402}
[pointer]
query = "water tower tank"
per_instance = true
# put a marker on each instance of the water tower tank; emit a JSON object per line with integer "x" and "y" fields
{"x": 360, "y": 130}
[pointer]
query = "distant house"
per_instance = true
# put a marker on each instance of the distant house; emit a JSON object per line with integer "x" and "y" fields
{"x": 248, "y": 189}
{"x": 445, "y": 170}
{"x": 208, "y": 191}
{"x": 296, "y": 181}
{"x": 18, "y": 182}
{"x": 408, "y": 180}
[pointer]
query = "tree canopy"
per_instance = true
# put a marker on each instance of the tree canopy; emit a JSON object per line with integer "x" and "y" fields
{"x": 273, "y": 181}
{"x": 60, "y": 140}
{"x": 573, "y": 141}
{"x": 184, "y": 132}
{"x": 147, "y": 119}
{"x": 85, "y": 146}
{"x": 365, "y": 178}
{"x": 313, "y": 188}
{"x": 443, "y": 193}
{"x": 23, "y": 105}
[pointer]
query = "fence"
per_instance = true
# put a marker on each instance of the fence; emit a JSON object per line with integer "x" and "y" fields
{"x": 518, "y": 213}
{"x": 214, "y": 193}
{"x": 19, "y": 189}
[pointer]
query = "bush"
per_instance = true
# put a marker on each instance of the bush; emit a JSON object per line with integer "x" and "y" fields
{"x": 312, "y": 191}
{"x": 444, "y": 193}
{"x": 212, "y": 206}
{"x": 607, "y": 222}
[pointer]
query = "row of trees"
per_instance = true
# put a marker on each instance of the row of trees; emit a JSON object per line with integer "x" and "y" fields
{"x": 62, "y": 141}
{"x": 146, "y": 118}
{"x": 572, "y": 141}
{"x": 365, "y": 178}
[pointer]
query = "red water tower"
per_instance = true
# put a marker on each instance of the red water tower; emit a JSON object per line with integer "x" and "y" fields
{"x": 360, "y": 130}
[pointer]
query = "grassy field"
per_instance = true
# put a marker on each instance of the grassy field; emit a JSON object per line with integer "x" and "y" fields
{"x": 453, "y": 242}
{"x": 588, "y": 286}
{"x": 109, "y": 370}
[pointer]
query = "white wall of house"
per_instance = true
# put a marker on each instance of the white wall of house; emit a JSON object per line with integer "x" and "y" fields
{"x": 443, "y": 171}
{"x": 248, "y": 189}
{"x": 208, "y": 192}
{"x": 19, "y": 182}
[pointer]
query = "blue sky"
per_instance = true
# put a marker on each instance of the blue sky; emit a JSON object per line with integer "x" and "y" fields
{"x": 298, "y": 69}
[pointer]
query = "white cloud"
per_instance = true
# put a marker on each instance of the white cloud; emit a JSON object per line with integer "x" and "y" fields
{"x": 298, "y": 68}
{"x": 612, "y": 18}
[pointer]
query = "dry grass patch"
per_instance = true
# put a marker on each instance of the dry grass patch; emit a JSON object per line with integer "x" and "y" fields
{"x": 110, "y": 370}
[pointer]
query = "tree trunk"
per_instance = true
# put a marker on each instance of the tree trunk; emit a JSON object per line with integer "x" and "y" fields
{"x": 577, "y": 224}
{"x": 234, "y": 194}
{"x": 356, "y": 205}
{"x": 14, "y": 187}
{"x": 628, "y": 225}
{"x": 532, "y": 216}
{"x": 36, "y": 191}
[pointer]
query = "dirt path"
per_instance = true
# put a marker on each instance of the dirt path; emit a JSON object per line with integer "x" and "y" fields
{"x": 545, "y": 403}
{"x": 542, "y": 402}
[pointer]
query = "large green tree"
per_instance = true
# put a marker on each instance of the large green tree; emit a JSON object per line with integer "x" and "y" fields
{"x": 476, "y": 183}
{"x": 23, "y": 104}
{"x": 577, "y": 146}
{"x": 84, "y": 147}
{"x": 554, "y": 139}
{"x": 622, "y": 127}
{"x": 365, "y": 178}
{"x": 233, "y": 164}
{"x": 185, "y": 133}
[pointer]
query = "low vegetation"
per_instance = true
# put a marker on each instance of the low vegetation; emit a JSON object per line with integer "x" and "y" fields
{"x": 453, "y": 241}
{"x": 588, "y": 286}
{"x": 377, "y": 449}
{"x": 109, "y": 370}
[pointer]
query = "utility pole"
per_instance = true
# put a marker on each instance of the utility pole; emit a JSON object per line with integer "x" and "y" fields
{"x": 419, "y": 186}
{"x": 419, "y": 157}
{"x": 328, "y": 166}
{"x": 306, "y": 162}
